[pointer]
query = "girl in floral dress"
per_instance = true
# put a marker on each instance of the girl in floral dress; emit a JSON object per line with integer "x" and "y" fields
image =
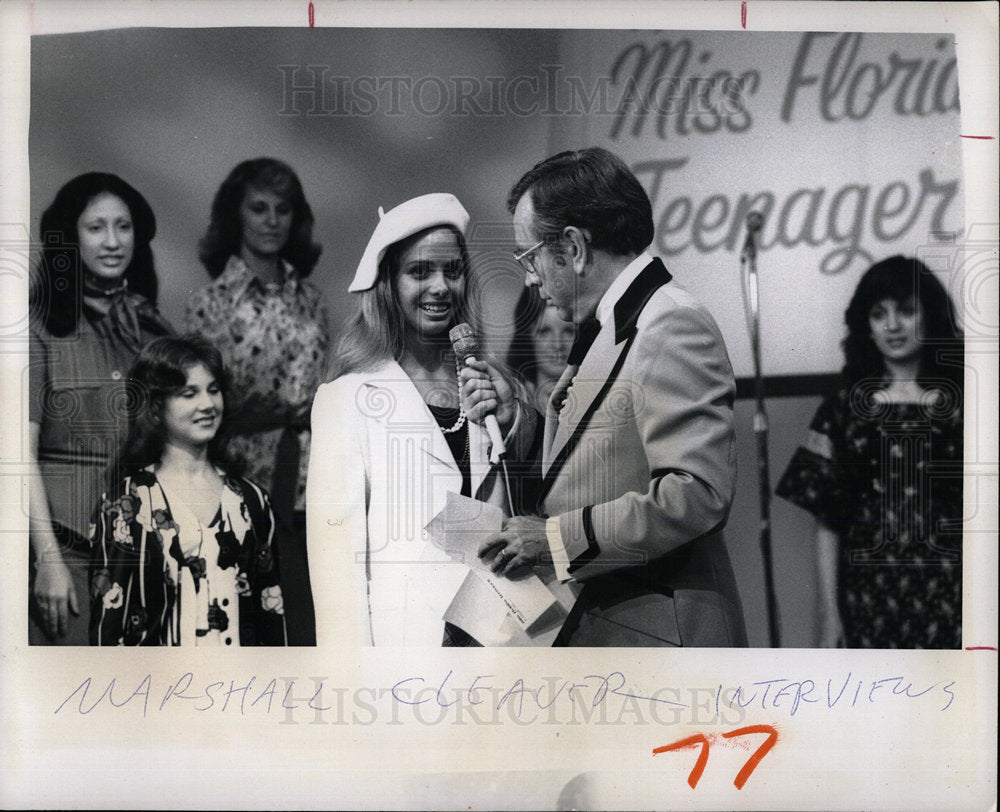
{"x": 882, "y": 469}
{"x": 182, "y": 545}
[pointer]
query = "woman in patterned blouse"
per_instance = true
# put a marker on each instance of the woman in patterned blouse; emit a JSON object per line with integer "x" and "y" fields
{"x": 182, "y": 550}
{"x": 271, "y": 327}
{"x": 882, "y": 469}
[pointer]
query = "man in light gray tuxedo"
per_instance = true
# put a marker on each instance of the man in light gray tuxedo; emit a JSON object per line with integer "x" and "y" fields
{"x": 639, "y": 459}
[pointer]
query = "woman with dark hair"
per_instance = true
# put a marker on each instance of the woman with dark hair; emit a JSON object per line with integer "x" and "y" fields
{"x": 882, "y": 469}
{"x": 93, "y": 306}
{"x": 182, "y": 545}
{"x": 229, "y": 234}
{"x": 397, "y": 430}
{"x": 271, "y": 327}
{"x": 540, "y": 346}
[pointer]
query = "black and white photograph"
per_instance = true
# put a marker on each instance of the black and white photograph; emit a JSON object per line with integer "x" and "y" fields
{"x": 363, "y": 331}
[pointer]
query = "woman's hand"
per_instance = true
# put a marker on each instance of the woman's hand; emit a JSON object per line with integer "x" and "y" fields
{"x": 55, "y": 594}
{"x": 831, "y": 627}
{"x": 484, "y": 391}
{"x": 53, "y": 591}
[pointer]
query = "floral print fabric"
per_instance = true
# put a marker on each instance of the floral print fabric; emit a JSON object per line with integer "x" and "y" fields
{"x": 274, "y": 341}
{"x": 157, "y": 582}
{"x": 887, "y": 478}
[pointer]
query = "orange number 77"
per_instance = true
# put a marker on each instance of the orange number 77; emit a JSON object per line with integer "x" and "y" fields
{"x": 701, "y": 740}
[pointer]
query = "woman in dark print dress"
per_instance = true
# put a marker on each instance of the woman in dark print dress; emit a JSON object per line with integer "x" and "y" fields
{"x": 882, "y": 469}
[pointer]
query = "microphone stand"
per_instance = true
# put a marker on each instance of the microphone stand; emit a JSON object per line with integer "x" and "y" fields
{"x": 751, "y": 303}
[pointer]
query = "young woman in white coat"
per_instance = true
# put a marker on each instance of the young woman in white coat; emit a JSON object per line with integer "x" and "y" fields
{"x": 396, "y": 430}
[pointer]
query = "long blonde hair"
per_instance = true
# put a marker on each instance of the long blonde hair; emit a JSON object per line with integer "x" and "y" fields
{"x": 377, "y": 330}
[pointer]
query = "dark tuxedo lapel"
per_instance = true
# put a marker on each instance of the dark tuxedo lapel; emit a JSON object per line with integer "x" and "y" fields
{"x": 588, "y": 380}
{"x": 630, "y": 305}
{"x": 600, "y": 367}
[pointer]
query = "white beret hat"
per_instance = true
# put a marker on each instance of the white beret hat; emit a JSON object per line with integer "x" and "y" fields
{"x": 407, "y": 219}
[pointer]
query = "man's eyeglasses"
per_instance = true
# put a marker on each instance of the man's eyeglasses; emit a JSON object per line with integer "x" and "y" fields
{"x": 526, "y": 259}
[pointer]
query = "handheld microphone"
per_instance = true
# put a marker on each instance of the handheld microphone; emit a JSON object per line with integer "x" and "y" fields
{"x": 466, "y": 346}
{"x": 755, "y": 222}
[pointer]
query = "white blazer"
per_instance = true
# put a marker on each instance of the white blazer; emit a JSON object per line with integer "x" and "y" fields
{"x": 380, "y": 469}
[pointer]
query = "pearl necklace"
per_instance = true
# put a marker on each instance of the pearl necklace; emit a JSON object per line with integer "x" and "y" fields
{"x": 461, "y": 412}
{"x": 458, "y": 423}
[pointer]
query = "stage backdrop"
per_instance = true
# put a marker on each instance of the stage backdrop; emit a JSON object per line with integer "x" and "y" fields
{"x": 366, "y": 117}
{"x": 847, "y": 144}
